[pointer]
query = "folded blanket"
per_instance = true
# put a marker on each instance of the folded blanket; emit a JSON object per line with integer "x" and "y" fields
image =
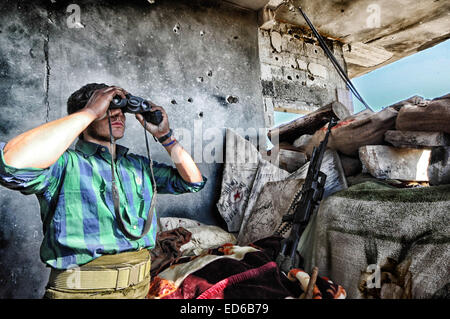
{"x": 167, "y": 248}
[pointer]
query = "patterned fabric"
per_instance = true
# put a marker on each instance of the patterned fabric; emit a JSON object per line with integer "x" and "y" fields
{"x": 324, "y": 288}
{"x": 76, "y": 202}
{"x": 235, "y": 272}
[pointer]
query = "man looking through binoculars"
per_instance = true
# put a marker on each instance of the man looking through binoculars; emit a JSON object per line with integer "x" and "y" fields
{"x": 89, "y": 254}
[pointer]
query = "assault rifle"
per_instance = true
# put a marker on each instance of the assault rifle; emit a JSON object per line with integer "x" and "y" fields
{"x": 310, "y": 196}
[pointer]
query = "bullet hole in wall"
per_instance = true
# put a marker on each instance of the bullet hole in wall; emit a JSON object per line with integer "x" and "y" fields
{"x": 200, "y": 114}
{"x": 210, "y": 73}
{"x": 200, "y": 79}
{"x": 289, "y": 77}
{"x": 173, "y": 102}
{"x": 202, "y": 33}
{"x": 176, "y": 28}
{"x": 232, "y": 99}
{"x": 190, "y": 100}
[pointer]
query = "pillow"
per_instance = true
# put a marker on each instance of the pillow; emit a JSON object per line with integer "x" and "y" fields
{"x": 203, "y": 236}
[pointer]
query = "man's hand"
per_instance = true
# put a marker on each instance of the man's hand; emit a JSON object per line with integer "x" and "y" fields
{"x": 99, "y": 102}
{"x": 183, "y": 161}
{"x": 156, "y": 130}
{"x": 56, "y": 136}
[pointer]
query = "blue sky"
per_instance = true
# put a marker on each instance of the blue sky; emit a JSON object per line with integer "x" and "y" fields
{"x": 426, "y": 73}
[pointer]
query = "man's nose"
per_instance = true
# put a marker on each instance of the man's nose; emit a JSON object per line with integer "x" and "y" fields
{"x": 118, "y": 113}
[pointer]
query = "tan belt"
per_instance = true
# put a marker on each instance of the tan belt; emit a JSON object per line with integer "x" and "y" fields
{"x": 107, "y": 272}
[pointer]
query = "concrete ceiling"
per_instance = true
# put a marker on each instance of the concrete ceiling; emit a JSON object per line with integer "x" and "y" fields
{"x": 250, "y": 4}
{"x": 376, "y": 32}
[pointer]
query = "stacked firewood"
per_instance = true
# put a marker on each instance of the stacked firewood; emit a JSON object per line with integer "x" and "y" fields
{"x": 407, "y": 143}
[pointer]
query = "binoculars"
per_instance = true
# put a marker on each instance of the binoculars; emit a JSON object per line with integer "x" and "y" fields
{"x": 136, "y": 104}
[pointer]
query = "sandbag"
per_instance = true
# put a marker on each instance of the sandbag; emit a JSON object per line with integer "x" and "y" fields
{"x": 267, "y": 172}
{"x": 272, "y": 203}
{"x": 408, "y": 223}
{"x": 430, "y": 116}
{"x": 240, "y": 167}
{"x": 274, "y": 199}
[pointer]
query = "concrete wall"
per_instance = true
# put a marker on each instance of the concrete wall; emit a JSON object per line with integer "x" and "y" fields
{"x": 296, "y": 75}
{"x": 187, "y": 56}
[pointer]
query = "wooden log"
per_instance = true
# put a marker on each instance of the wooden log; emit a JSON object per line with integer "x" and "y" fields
{"x": 287, "y": 157}
{"x": 289, "y": 147}
{"x": 416, "y": 138}
{"x": 312, "y": 282}
{"x": 433, "y": 116}
{"x": 307, "y": 124}
{"x": 364, "y": 128}
{"x": 351, "y": 166}
{"x": 302, "y": 141}
{"x": 291, "y": 160}
{"x": 414, "y": 100}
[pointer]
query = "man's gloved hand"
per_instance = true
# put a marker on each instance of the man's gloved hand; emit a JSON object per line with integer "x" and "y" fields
{"x": 156, "y": 130}
{"x": 99, "y": 102}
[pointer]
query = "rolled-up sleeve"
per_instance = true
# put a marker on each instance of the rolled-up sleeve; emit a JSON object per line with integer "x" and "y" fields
{"x": 30, "y": 180}
{"x": 169, "y": 181}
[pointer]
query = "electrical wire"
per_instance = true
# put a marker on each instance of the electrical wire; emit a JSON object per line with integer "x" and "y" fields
{"x": 333, "y": 60}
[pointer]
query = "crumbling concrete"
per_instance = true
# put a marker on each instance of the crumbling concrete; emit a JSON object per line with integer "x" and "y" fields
{"x": 296, "y": 75}
{"x": 375, "y": 33}
{"x": 407, "y": 164}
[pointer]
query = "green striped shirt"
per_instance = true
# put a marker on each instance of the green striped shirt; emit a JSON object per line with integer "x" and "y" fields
{"x": 76, "y": 202}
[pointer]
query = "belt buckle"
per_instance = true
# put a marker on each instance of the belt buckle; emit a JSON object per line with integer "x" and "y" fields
{"x": 123, "y": 277}
{"x": 134, "y": 275}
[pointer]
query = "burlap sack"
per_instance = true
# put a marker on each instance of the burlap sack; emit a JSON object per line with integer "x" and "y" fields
{"x": 267, "y": 172}
{"x": 240, "y": 167}
{"x": 394, "y": 221}
{"x": 272, "y": 203}
{"x": 274, "y": 199}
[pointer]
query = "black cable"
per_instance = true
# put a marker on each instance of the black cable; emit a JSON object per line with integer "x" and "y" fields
{"x": 333, "y": 60}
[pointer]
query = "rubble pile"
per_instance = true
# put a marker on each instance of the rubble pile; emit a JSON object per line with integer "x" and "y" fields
{"x": 406, "y": 144}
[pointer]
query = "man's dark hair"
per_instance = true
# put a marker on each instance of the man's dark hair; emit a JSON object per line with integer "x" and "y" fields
{"x": 80, "y": 97}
